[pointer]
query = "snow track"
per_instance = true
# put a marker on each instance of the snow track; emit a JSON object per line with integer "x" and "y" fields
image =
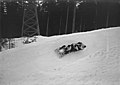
{"x": 37, "y": 63}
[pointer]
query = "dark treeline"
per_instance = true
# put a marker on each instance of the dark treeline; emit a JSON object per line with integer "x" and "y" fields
{"x": 57, "y": 16}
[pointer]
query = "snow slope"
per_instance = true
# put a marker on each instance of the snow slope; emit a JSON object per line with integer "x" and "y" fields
{"x": 37, "y": 63}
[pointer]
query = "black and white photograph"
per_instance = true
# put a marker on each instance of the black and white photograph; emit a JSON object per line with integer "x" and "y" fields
{"x": 59, "y": 42}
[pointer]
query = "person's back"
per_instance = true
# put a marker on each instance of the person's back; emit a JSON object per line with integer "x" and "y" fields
{"x": 72, "y": 48}
{"x": 67, "y": 49}
{"x": 79, "y": 43}
{"x": 62, "y": 47}
{"x": 81, "y": 46}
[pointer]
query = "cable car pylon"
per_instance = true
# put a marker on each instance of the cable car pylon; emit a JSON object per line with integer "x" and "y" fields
{"x": 30, "y": 25}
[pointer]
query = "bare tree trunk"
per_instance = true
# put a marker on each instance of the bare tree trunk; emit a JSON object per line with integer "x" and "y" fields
{"x": 107, "y": 20}
{"x": 60, "y": 24}
{"x": 74, "y": 16}
{"x": 67, "y": 19}
{"x": 95, "y": 19}
{"x": 47, "y": 26}
{"x": 0, "y": 20}
{"x": 81, "y": 24}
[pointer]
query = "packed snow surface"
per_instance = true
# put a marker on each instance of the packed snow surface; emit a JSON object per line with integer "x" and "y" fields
{"x": 38, "y": 64}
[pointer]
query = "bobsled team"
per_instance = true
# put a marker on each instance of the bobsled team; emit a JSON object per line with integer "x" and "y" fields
{"x": 66, "y": 49}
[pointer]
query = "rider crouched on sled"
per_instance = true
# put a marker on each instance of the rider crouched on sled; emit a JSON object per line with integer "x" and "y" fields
{"x": 74, "y": 47}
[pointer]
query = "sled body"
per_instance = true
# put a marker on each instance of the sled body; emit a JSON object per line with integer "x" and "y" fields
{"x": 74, "y": 47}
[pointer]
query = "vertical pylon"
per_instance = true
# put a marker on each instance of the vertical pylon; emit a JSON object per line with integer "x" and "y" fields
{"x": 30, "y": 25}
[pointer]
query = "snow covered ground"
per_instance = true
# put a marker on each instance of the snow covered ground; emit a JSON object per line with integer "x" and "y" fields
{"x": 38, "y": 64}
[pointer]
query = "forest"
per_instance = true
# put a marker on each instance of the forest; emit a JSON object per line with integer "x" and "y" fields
{"x": 60, "y": 16}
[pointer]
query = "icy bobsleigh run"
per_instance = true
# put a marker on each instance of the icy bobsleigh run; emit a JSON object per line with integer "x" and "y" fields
{"x": 66, "y": 49}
